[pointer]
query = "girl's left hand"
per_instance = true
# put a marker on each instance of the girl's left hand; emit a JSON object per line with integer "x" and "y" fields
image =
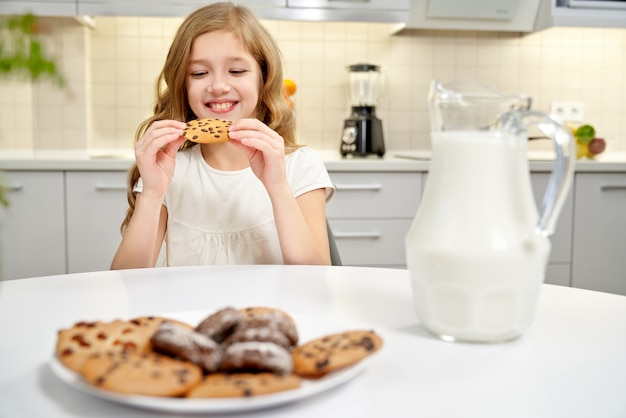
{"x": 264, "y": 148}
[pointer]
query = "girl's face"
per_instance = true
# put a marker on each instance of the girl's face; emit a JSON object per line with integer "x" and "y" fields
{"x": 222, "y": 78}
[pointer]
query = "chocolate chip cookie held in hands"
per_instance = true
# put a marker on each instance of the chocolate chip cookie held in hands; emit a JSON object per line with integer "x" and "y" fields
{"x": 243, "y": 192}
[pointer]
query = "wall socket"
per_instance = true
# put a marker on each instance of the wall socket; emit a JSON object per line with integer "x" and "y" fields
{"x": 568, "y": 111}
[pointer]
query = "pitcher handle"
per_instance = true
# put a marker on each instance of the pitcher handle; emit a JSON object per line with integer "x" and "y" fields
{"x": 563, "y": 169}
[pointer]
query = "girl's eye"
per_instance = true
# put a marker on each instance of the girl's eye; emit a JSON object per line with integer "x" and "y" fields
{"x": 237, "y": 72}
{"x": 197, "y": 74}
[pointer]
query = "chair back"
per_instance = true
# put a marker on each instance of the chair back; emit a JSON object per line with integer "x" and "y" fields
{"x": 335, "y": 258}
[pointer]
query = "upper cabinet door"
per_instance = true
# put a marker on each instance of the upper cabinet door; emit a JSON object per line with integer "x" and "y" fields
{"x": 161, "y": 7}
{"x": 480, "y": 15}
{"x": 41, "y": 8}
{"x": 396, "y": 11}
{"x": 352, "y": 4}
{"x": 598, "y": 14}
{"x": 348, "y": 10}
{"x": 136, "y": 8}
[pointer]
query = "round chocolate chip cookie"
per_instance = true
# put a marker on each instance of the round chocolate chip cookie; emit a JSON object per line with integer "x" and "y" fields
{"x": 333, "y": 352}
{"x": 207, "y": 130}
{"x": 228, "y": 385}
{"x": 141, "y": 373}
{"x": 77, "y": 343}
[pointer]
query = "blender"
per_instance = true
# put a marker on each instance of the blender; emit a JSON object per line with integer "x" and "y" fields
{"x": 363, "y": 131}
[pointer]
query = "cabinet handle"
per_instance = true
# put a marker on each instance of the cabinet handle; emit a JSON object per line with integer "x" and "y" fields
{"x": 109, "y": 187}
{"x": 607, "y": 188}
{"x": 369, "y": 235}
{"x": 373, "y": 187}
{"x": 13, "y": 187}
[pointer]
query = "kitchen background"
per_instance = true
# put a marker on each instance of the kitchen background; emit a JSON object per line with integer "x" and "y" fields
{"x": 112, "y": 66}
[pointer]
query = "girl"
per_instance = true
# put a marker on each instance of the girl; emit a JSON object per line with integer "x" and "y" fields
{"x": 256, "y": 199}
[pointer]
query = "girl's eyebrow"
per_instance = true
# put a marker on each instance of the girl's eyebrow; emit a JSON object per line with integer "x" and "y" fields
{"x": 231, "y": 60}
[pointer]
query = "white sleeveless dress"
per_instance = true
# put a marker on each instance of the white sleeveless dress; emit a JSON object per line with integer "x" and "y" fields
{"x": 225, "y": 217}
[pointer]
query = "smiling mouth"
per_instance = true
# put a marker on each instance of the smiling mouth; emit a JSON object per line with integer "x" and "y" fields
{"x": 221, "y": 106}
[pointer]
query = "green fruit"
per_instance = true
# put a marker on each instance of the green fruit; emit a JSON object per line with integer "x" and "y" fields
{"x": 585, "y": 133}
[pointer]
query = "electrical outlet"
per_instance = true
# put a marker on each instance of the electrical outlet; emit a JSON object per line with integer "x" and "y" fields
{"x": 569, "y": 111}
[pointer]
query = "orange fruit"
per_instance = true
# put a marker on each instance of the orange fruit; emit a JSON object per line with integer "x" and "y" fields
{"x": 289, "y": 86}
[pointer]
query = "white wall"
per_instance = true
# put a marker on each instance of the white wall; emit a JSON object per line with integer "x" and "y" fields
{"x": 112, "y": 71}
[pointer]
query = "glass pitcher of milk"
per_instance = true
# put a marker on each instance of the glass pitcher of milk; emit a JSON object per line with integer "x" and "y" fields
{"x": 478, "y": 248}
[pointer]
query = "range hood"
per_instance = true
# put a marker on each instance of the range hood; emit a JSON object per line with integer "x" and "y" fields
{"x": 482, "y": 15}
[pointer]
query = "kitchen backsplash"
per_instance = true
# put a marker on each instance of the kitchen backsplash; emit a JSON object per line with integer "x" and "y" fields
{"x": 112, "y": 68}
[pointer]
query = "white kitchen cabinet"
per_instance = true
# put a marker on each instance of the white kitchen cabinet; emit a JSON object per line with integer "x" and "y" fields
{"x": 32, "y": 228}
{"x": 367, "y": 242}
{"x": 96, "y": 206}
{"x": 599, "y": 253}
{"x": 352, "y": 5}
{"x": 163, "y": 7}
{"x": 370, "y": 215}
{"x": 479, "y": 15}
{"x": 40, "y": 8}
{"x": 597, "y": 17}
{"x": 349, "y": 10}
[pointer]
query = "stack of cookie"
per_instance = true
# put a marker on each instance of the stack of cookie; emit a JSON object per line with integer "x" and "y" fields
{"x": 232, "y": 352}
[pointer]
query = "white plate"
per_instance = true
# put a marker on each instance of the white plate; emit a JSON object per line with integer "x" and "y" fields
{"x": 308, "y": 329}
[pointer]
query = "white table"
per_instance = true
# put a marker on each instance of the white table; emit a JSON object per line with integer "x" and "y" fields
{"x": 571, "y": 363}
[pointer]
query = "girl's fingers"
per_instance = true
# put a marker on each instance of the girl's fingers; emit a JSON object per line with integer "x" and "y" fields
{"x": 160, "y": 138}
{"x": 266, "y": 135}
{"x": 168, "y": 123}
{"x": 251, "y": 125}
{"x": 159, "y": 135}
{"x": 172, "y": 147}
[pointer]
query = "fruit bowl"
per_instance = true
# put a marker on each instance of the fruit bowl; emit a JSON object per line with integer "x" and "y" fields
{"x": 588, "y": 145}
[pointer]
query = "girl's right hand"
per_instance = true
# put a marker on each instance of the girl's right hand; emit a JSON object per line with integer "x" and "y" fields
{"x": 155, "y": 154}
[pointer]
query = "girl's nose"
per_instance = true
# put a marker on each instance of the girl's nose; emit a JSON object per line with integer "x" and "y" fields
{"x": 219, "y": 84}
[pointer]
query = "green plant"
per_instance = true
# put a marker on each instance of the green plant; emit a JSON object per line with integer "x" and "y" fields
{"x": 3, "y": 200}
{"x": 22, "y": 56}
{"x": 21, "y": 52}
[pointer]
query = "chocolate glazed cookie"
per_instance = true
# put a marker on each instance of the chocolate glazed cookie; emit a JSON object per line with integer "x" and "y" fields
{"x": 255, "y": 356}
{"x": 221, "y": 324}
{"x": 263, "y": 333}
{"x": 188, "y": 345}
{"x": 256, "y": 317}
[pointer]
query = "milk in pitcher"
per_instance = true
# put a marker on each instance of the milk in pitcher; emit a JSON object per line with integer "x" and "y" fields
{"x": 475, "y": 260}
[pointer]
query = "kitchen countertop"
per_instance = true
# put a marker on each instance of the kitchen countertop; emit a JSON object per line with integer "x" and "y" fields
{"x": 394, "y": 160}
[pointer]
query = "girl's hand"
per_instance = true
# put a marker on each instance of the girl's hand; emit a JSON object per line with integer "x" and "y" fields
{"x": 155, "y": 153}
{"x": 265, "y": 150}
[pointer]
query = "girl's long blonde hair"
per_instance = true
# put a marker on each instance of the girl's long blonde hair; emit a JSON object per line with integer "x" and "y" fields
{"x": 171, "y": 90}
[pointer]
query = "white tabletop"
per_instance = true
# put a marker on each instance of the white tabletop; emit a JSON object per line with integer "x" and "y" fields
{"x": 571, "y": 363}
